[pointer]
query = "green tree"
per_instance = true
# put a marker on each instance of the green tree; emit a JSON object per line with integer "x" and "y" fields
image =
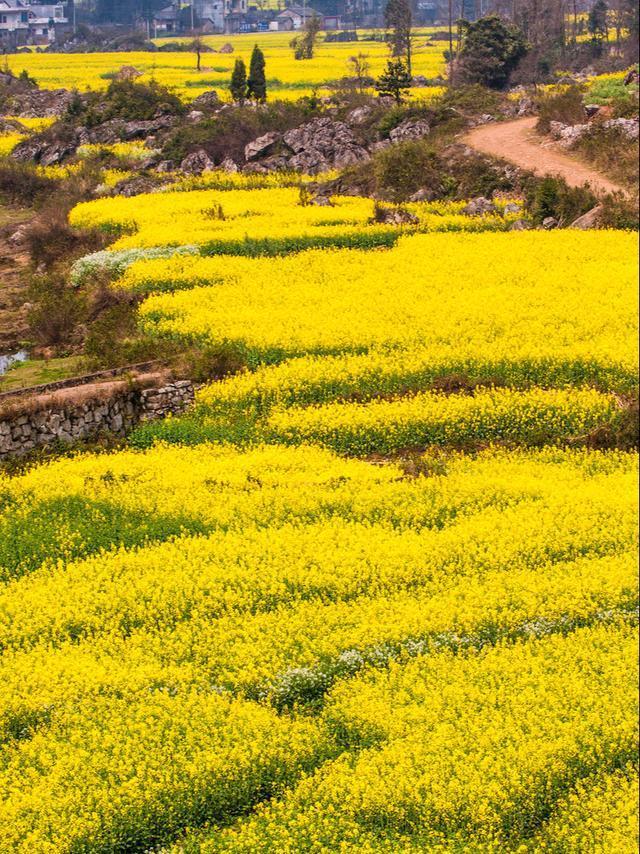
{"x": 490, "y": 51}
{"x": 304, "y": 44}
{"x": 395, "y": 80}
{"x": 597, "y": 22}
{"x": 398, "y": 20}
{"x": 257, "y": 82}
{"x": 238, "y": 85}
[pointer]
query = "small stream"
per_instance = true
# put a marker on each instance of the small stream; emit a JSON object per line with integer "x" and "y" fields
{"x": 9, "y": 359}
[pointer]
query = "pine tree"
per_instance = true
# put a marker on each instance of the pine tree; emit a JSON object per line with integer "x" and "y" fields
{"x": 238, "y": 86}
{"x": 398, "y": 20}
{"x": 257, "y": 82}
{"x": 395, "y": 80}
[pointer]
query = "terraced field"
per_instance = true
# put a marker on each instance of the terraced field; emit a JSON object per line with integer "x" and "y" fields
{"x": 377, "y": 591}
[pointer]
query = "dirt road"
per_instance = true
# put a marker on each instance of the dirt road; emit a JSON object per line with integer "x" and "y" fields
{"x": 518, "y": 143}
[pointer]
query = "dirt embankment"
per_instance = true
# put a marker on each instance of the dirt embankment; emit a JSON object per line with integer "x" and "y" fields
{"x": 518, "y": 143}
{"x": 14, "y": 264}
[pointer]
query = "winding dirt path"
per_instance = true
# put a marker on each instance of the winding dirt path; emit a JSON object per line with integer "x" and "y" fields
{"x": 518, "y": 143}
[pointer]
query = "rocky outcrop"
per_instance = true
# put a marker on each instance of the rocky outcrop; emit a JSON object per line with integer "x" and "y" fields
{"x": 11, "y": 126}
{"x": 34, "y": 103}
{"x": 313, "y": 147}
{"x": 262, "y": 146}
{"x": 207, "y": 101}
{"x": 410, "y": 129}
{"x": 47, "y": 150}
{"x": 568, "y": 135}
{"x": 323, "y": 144}
{"x": 627, "y": 127}
{"x": 394, "y": 216}
{"x": 139, "y": 184}
{"x": 520, "y": 225}
{"x": 479, "y": 207}
{"x": 591, "y": 219}
{"x": 197, "y": 162}
{"x": 43, "y": 152}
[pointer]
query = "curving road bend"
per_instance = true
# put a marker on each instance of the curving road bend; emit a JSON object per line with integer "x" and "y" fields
{"x": 518, "y": 143}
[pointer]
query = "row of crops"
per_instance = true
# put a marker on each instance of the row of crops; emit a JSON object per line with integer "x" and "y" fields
{"x": 377, "y": 592}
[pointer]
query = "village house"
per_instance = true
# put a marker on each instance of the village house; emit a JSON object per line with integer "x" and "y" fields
{"x": 295, "y": 17}
{"x": 23, "y": 23}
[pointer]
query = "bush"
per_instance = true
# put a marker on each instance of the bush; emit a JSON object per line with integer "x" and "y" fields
{"x": 126, "y": 100}
{"x": 402, "y": 169}
{"x": 21, "y": 184}
{"x": 398, "y": 113}
{"x": 554, "y": 197}
{"x": 56, "y": 309}
{"x": 113, "y": 338}
{"x": 566, "y": 107}
{"x": 618, "y": 211}
{"x": 611, "y": 152}
{"x": 50, "y": 240}
{"x": 472, "y": 98}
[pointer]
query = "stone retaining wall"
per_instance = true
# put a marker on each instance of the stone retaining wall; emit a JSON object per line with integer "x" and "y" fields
{"x": 82, "y": 414}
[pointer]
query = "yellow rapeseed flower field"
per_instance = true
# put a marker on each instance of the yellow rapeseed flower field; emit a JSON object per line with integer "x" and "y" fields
{"x": 287, "y": 77}
{"x": 377, "y": 590}
{"x": 539, "y": 294}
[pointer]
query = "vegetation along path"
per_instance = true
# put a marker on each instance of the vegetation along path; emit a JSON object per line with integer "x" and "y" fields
{"x": 517, "y": 142}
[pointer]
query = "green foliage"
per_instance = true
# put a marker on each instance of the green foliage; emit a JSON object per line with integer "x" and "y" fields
{"x": 611, "y": 91}
{"x": 553, "y": 197}
{"x": 304, "y": 44}
{"x": 56, "y": 309}
{"x": 130, "y": 101}
{"x": 72, "y": 526}
{"x": 395, "y": 80}
{"x": 257, "y": 82}
{"x": 114, "y": 339}
{"x": 619, "y": 211}
{"x": 227, "y": 134}
{"x": 21, "y": 184}
{"x": 402, "y": 169}
{"x": 238, "y": 86}
{"x": 490, "y": 51}
{"x": 471, "y": 97}
{"x": 566, "y": 107}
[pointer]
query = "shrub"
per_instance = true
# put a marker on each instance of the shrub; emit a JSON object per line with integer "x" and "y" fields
{"x": 619, "y": 211}
{"x": 50, "y": 239}
{"x": 553, "y": 197}
{"x": 472, "y": 98}
{"x": 402, "y": 169}
{"x": 56, "y": 309}
{"x": 566, "y": 107}
{"x": 609, "y": 150}
{"x": 113, "y": 338}
{"x": 21, "y": 184}
{"x": 130, "y": 101}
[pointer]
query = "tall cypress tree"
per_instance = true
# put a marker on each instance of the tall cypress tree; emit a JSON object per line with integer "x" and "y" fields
{"x": 257, "y": 82}
{"x": 238, "y": 85}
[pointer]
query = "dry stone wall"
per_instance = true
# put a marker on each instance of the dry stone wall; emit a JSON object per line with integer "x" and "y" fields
{"x": 50, "y": 419}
